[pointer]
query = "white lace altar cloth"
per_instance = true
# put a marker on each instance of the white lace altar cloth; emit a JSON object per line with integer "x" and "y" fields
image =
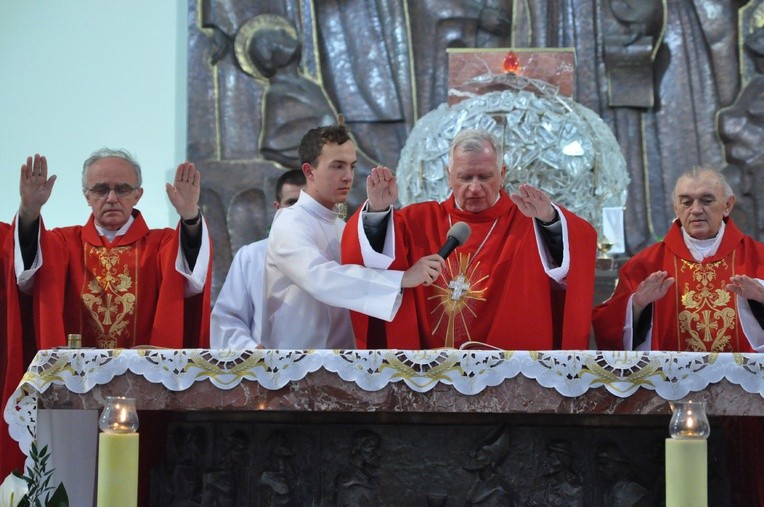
{"x": 672, "y": 375}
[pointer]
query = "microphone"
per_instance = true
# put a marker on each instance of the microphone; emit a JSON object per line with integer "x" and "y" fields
{"x": 456, "y": 236}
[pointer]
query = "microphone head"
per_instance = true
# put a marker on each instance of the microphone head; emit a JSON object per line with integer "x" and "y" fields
{"x": 460, "y": 231}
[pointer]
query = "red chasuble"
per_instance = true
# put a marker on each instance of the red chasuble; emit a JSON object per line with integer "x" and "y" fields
{"x": 121, "y": 294}
{"x": 493, "y": 288}
{"x": 15, "y": 324}
{"x": 698, "y": 314}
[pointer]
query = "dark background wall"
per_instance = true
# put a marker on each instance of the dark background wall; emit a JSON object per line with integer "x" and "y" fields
{"x": 678, "y": 82}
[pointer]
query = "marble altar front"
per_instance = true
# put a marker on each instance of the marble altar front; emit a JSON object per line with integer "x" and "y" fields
{"x": 422, "y": 419}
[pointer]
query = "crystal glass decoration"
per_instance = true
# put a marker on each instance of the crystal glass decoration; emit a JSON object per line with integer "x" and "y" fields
{"x": 118, "y": 415}
{"x": 689, "y": 420}
{"x": 549, "y": 141}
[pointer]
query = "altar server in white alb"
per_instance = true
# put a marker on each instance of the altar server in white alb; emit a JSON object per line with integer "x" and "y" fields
{"x": 236, "y": 319}
{"x": 308, "y": 291}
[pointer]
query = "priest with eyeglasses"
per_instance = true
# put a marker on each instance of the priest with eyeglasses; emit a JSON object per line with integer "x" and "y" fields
{"x": 114, "y": 281}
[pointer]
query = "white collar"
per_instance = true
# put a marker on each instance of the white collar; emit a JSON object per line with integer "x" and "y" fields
{"x": 110, "y": 235}
{"x": 314, "y": 207}
{"x": 702, "y": 248}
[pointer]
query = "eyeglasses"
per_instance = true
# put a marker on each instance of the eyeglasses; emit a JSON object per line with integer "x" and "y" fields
{"x": 102, "y": 190}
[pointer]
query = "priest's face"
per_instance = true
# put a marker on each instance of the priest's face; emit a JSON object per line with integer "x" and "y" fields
{"x": 701, "y": 204}
{"x": 112, "y": 191}
{"x": 475, "y": 178}
{"x": 330, "y": 180}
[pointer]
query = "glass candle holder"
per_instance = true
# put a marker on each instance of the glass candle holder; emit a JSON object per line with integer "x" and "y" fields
{"x": 689, "y": 420}
{"x": 119, "y": 415}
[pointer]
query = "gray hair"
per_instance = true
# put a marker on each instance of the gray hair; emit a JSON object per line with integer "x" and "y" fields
{"x": 109, "y": 153}
{"x": 695, "y": 172}
{"x": 474, "y": 141}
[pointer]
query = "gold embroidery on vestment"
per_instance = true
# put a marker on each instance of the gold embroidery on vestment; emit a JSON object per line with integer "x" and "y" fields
{"x": 707, "y": 309}
{"x": 108, "y": 295}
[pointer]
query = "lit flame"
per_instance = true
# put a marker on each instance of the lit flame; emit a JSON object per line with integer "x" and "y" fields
{"x": 511, "y": 63}
{"x": 690, "y": 421}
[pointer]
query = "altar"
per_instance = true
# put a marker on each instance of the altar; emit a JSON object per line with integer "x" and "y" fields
{"x": 413, "y": 427}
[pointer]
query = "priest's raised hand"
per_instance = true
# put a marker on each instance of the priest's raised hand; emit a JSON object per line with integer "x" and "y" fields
{"x": 381, "y": 189}
{"x": 184, "y": 192}
{"x": 746, "y": 287}
{"x": 649, "y": 290}
{"x": 34, "y": 188}
{"x": 534, "y": 203}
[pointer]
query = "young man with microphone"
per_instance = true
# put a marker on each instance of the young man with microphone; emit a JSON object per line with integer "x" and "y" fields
{"x": 307, "y": 291}
{"x": 505, "y": 286}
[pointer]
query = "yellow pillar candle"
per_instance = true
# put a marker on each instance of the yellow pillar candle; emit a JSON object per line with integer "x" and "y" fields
{"x": 686, "y": 472}
{"x": 117, "y": 470}
{"x": 118, "y": 453}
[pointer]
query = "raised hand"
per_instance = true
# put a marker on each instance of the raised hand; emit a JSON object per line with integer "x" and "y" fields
{"x": 425, "y": 271}
{"x": 184, "y": 192}
{"x": 533, "y": 203}
{"x": 34, "y": 188}
{"x": 747, "y": 287}
{"x": 381, "y": 189}
{"x": 651, "y": 289}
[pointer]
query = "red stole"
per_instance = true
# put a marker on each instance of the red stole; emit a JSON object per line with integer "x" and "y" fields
{"x": 506, "y": 299}
{"x": 705, "y": 311}
{"x": 109, "y": 295}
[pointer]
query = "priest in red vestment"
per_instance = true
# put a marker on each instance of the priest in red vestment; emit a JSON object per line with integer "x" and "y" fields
{"x": 15, "y": 308}
{"x": 113, "y": 281}
{"x": 524, "y": 279}
{"x": 700, "y": 289}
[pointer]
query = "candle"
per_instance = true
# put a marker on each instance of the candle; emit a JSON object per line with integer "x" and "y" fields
{"x": 686, "y": 473}
{"x": 687, "y": 455}
{"x": 117, "y": 469}
{"x": 118, "y": 454}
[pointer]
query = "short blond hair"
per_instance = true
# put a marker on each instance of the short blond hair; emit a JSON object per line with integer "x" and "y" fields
{"x": 474, "y": 141}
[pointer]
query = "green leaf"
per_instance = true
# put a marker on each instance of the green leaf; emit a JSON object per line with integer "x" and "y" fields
{"x": 59, "y": 498}
{"x": 38, "y": 478}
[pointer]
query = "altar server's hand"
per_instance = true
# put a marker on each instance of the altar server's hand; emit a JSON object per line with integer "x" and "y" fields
{"x": 651, "y": 289}
{"x": 425, "y": 271}
{"x": 34, "y": 187}
{"x": 534, "y": 203}
{"x": 184, "y": 193}
{"x": 747, "y": 287}
{"x": 381, "y": 189}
